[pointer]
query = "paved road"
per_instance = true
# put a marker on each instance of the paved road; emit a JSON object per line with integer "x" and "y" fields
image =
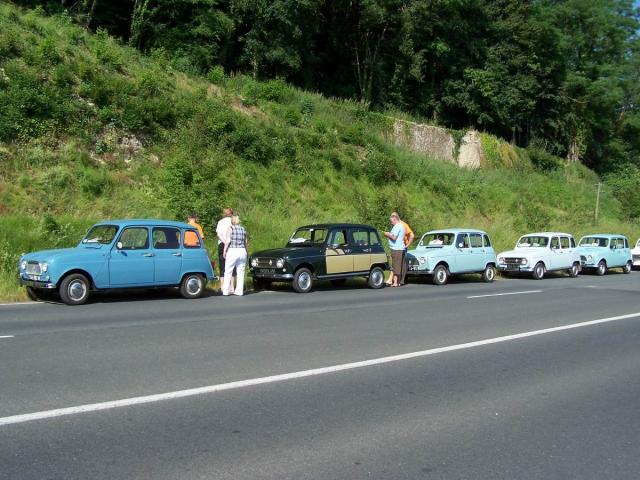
{"x": 481, "y": 398}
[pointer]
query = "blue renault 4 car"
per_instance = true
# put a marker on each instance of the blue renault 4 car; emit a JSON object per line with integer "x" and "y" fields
{"x": 442, "y": 253}
{"x": 600, "y": 252}
{"x": 121, "y": 254}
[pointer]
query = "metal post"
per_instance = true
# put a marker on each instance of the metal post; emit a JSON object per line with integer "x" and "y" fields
{"x": 598, "y": 201}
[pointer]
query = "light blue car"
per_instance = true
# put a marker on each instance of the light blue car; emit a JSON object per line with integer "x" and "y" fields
{"x": 121, "y": 254}
{"x": 602, "y": 251}
{"x": 442, "y": 253}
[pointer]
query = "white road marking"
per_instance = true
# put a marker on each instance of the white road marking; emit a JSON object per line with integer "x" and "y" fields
{"x": 503, "y": 294}
{"x": 6, "y": 336}
{"x": 128, "y": 402}
{"x": 18, "y": 304}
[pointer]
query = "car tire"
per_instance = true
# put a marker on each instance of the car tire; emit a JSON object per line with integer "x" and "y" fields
{"x": 538, "y": 271}
{"x": 376, "y": 278}
{"x": 440, "y": 275}
{"x": 627, "y": 268}
{"x": 489, "y": 274}
{"x": 601, "y": 269}
{"x": 261, "y": 284}
{"x": 74, "y": 289}
{"x": 303, "y": 280}
{"x": 192, "y": 286}
{"x": 574, "y": 271}
{"x": 339, "y": 282}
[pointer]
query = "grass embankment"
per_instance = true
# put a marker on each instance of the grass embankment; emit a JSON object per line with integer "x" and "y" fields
{"x": 91, "y": 130}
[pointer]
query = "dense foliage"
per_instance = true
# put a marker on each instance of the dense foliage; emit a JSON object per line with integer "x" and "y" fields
{"x": 561, "y": 75}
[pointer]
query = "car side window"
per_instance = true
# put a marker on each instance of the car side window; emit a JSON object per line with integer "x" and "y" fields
{"x": 564, "y": 242}
{"x": 476, "y": 240}
{"x": 626, "y": 242}
{"x": 487, "y": 242}
{"x": 360, "y": 237}
{"x": 191, "y": 239}
{"x": 374, "y": 239}
{"x": 338, "y": 237}
{"x": 573, "y": 242}
{"x": 555, "y": 243}
{"x": 135, "y": 238}
{"x": 463, "y": 239}
{"x": 165, "y": 238}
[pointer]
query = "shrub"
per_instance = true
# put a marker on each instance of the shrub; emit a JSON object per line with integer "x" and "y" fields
{"x": 216, "y": 74}
{"x": 107, "y": 52}
{"x": 379, "y": 167}
{"x": 95, "y": 183}
{"x": 544, "y": 161}
{"x": 624, "y": 185}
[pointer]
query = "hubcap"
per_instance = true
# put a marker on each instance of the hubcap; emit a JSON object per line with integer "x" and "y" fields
{"x": 540, "y": 271}
{"x": 602, "y": 268}
{"x": 194, "y": 285}
{"x": 442, "y": 275}
{"x": 376, "y": 277}
{"x": 490, "y": 273}
{"x": 77, "y": 290}
{"x": 575, "y": 270}
{"x": 304, "y": 280}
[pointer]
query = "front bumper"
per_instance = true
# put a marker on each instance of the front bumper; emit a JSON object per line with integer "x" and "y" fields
{"x": 514, "y": 268}
{"x": 24, "y": 282}
{"x": 636, "y": 260}
{"x": 415, "y": 271}
{"x": 271, "y": 275}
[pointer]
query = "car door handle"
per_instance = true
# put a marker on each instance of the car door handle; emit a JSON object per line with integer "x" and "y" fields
{"x": 347, "y": 251}
{"x": 177, "y": 254}
{"x": 148, "y": 255}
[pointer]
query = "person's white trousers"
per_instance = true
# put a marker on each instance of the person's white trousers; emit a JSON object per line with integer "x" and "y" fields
{"x": 236, "y": 259}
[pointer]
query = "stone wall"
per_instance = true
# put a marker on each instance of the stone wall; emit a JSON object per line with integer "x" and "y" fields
{"x": 439, "y": 143}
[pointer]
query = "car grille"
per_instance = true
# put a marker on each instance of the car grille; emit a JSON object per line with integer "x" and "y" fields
{"x": 265, "y": 262}
{"x": 33, "y": 268}
{"x": 513, "y": 260}
{"x": 636, "y": 258}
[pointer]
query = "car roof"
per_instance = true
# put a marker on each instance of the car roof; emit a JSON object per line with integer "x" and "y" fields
{"x": 338, "y": 225}
{"x": 545, "y": 234}
{"x": 149, "y": 222}
{"x": 607, "y": 235}
{"x": 457, "y": 230}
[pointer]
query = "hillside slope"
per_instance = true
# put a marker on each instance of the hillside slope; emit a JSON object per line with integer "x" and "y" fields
{"x": 91, "y": 130}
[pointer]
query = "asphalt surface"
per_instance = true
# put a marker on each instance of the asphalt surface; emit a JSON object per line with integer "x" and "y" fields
{"x": 556, "y": 404}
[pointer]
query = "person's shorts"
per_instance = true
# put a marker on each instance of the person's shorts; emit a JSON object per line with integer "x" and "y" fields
{"x": 396, "y": 261}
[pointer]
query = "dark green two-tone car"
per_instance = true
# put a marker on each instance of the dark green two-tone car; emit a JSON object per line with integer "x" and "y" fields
{"x": 323, "y": 252}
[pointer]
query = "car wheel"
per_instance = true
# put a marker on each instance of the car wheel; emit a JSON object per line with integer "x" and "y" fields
{"x": 339, "y": 282}
{"x": 628, "y": 267}
{"x": 574, "y": 271}
{"x": 376, "y": 278}
{"x": 539, "y": 271}
{"x": 261, "y": 284}
{"x": 601, "y": 269}
{"x": 192, "y": 286}
{"x": 303, "y": 280}
{"x": 489, "y": 274}
{"x": 74, "y": 289}
{"x": 440, "y": 275}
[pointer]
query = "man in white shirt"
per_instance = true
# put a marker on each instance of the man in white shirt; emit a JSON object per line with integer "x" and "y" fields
{"x": 222, "y": 229}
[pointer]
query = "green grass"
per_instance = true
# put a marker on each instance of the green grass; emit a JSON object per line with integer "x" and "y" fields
{"x": 280, "y": 156}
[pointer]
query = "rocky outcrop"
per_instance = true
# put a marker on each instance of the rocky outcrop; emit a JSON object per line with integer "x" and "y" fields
{"x": 439, "y": 143}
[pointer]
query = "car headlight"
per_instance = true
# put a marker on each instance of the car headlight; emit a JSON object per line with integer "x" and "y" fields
{"x": 280, "y": 263}
{"x": 23, "y": 265}
{"x": 254, "y": 262}
{"x": 44, "y": 266}
{"x": 589, "y": 258}
{"x": 422, "y": 260}
{"x": 524, "y": 261}
{"x": 500, "y": 259}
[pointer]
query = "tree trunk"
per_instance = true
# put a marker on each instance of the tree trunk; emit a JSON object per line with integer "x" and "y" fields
{"x": 92, "y": 10}
{"x": 574, "y": 153}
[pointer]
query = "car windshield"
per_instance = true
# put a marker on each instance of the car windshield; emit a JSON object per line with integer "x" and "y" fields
{"x": 308, "y": 236}
{"x": 102, "y": 234}
{"x": 437, "y": 239}
{"x": 594, "y": 242}
{"x": 533, "y": 241}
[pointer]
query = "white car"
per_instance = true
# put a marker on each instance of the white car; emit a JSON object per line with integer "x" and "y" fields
{"x": 636, "y": 254}
{"x": 539, "y": 253}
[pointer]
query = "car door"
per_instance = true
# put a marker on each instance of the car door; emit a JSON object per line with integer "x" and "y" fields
{"x": 463, "y": 261}
{"x": 477, "y": 252}
{"x": 566, "y": 252}
{"x": 555, "y": 258}
{"x": 360, "y": 249}
{"x": 619, "y": 254}
{"x": 489, "y": 252}
{"x": 338, "y": 255}
{"x": 131, "y": 262}
{"x": 168, "y": 255}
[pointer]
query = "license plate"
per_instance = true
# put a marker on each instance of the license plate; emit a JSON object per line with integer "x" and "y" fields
{"x": 34, "y": 277}
{"x": 268, "y": 270}
{"x": 513, "y": 267}
{"x": 413, "y": 267}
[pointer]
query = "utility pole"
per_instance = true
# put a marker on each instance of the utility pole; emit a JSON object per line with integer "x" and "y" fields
{"x": 597, "y": 202}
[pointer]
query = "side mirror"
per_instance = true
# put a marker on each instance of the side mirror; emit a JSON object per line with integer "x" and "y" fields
{"x": 461, "y": 245}
{"x": 334, "y": 246}
{"x": 119, "y": 246}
